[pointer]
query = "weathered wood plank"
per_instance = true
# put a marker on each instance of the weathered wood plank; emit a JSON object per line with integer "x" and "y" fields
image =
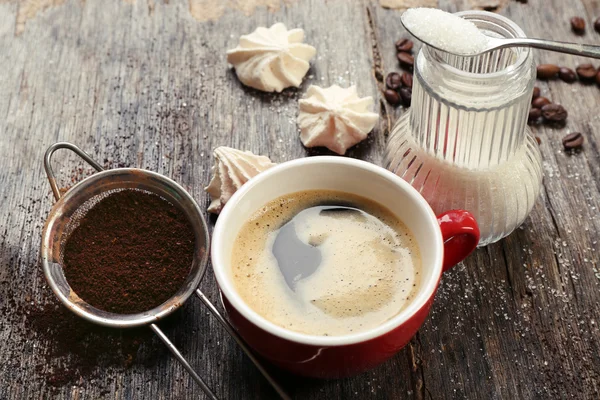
{"x": 146, "y": 84}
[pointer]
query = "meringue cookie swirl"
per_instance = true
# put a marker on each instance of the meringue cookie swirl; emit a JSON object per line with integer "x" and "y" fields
{"x": 335, "y": 118}
{"x": 232, "y": 169}
{"x": 271, "y": 59}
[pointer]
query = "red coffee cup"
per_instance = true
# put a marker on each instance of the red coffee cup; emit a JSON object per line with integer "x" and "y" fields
{"x": 443, "y": 241}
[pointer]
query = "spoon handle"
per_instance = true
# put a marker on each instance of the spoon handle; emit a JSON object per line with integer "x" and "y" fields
{"x": 577, "y": 49}
{"x": 183, "y": 362}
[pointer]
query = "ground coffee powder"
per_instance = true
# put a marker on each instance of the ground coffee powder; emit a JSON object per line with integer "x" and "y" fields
{"x": 130, "y": 253}
{"x": 67, "y": 350}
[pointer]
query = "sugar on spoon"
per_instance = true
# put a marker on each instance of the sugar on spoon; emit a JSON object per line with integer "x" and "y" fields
{"x": 453, "y": 34}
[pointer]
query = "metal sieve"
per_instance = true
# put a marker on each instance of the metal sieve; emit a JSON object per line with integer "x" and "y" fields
{"x": 79, "y": 199}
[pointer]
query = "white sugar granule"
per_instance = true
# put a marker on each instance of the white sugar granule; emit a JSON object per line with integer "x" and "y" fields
{"x": 445, "y": 31}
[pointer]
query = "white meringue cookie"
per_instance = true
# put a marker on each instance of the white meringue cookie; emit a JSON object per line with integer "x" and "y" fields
{"x": 232, "y": 169}
{"x": 335, "y": 118}
{"x": 271, "y": 59}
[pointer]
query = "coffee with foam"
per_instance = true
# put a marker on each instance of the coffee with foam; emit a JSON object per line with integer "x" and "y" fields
{"x": 350, "y": 263}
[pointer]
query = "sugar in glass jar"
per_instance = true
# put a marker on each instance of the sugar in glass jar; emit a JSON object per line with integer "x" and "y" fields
{"x": 465, "y": 143}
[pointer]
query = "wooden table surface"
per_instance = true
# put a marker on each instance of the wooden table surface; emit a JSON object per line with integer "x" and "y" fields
{"x": 145, "y": 83}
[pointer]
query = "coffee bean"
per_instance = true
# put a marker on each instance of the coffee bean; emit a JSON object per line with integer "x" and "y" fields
{"x": 540, "y": 102}
{"x": 536, "y": 93}
{"x": 407, "y": 80}
{"x": 547, "y": 71}
{"x": 572, "y": 141}
{"x": 378, "y": 76}
{"x": 393, "y": 80}
{"x": 406, "y": 59}
{"x": 578, "y": 25}
{"x": 554, "y": 113}
{"x": 534, "y": 114}
{"x": 567, "y": 75}
{"x": 586, "y": 72}
{"x": 404, "y": 45}
{"x": 598, "y": 78}
{"x": 406, "y": 95}
{"x": 597, "y": 24}
{"x": 538, "y": 140}
{"x": 392, "y": 97}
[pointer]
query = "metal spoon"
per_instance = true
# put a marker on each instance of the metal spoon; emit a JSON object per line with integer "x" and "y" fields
{"x": 296, "y": 259}
{"x": 493, "y": 43}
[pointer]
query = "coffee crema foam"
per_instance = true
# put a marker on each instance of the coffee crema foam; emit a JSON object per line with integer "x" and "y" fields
{"x": 370, "y": 267}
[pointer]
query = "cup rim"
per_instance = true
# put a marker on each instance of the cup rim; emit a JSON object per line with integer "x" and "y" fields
{"x": 226, "y": 285}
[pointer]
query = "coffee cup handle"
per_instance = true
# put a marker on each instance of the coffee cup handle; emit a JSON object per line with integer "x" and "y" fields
{"x": 460, "y": 233}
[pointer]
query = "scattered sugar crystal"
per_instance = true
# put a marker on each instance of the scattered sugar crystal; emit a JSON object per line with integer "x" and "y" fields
{"x": 445, "y": 31}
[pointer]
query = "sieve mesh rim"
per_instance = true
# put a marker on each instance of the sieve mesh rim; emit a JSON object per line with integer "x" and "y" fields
{"x": 66, "y": 213}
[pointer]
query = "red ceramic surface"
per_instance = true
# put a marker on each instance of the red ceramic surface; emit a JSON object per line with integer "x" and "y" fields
{"x": 461, "y": 235}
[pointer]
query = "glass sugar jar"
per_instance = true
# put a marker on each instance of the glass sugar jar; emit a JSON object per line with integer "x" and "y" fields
{"x": 465, "y": 143}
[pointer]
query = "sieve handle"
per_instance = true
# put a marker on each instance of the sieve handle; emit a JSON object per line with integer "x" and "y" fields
{"x": 233, "y": 333}
{"x": 48, "y": 163}
{"x": 183, "y": 361}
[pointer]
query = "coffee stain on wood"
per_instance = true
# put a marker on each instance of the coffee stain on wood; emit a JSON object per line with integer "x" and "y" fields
{"x": 30, "y": 8}
{"x": 488, "y": 5}
{"x": 404, "y": 4}
{"x": 201, "y": 10}
{"x": 210, "y": 10}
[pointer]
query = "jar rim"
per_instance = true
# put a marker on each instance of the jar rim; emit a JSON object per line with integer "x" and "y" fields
{"x": 499, "y": 20}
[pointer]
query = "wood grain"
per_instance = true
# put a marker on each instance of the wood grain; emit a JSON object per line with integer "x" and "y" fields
{"x": 145, "y": 84}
